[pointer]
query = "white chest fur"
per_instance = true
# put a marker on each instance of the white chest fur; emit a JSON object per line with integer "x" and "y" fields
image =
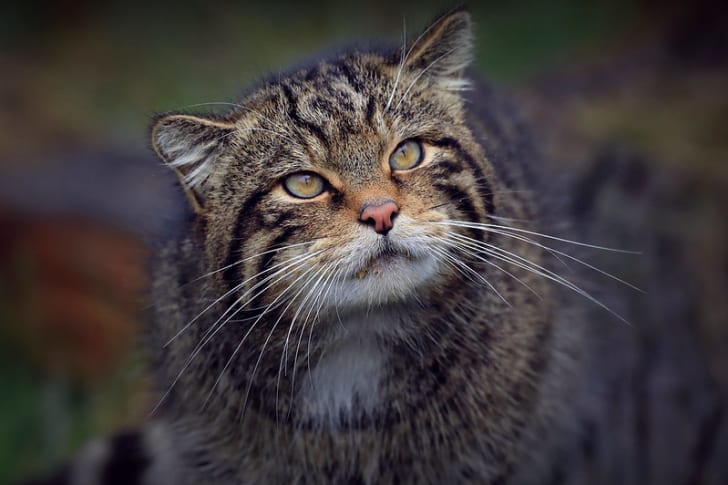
{"x": 344, "y": 383}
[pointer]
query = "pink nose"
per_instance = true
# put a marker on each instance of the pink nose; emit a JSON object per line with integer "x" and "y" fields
{"x": 379, "y": 215}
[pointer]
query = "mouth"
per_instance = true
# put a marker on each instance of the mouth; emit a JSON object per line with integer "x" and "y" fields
{"x": 384, "y": 260}
{"x": 387, "y": 272}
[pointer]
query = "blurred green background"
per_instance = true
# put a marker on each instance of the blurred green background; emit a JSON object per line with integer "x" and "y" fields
{"x": 98, "y": 69}
{"x": 81, "y": 202}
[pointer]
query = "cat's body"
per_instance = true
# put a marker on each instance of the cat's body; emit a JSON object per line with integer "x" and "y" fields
{"x": 302, "y": 340}
{"x": 353, "y": 301}
{"x": 413, "y": 390}
{"x": 399, "y": 374}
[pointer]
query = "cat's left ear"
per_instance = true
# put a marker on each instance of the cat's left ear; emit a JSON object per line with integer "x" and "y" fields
{"x": 444, "y": 49}
{"x": 191, "y": 146}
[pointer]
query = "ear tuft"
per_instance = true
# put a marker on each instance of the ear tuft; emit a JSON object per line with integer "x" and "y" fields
{"x": 445, "y": 49}
{"x": 191, "y": 146}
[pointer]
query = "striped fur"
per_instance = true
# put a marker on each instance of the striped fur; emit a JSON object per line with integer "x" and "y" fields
{"x": 287, "y": 383}
{"x": 294, "y": 344}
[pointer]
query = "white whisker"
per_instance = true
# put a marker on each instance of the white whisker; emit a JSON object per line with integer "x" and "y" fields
{"x": 206, "y": 275}
{"x": 329, "y": 276}
{"x": 475, "y": 225}
{"x": 503, "y": 230}
{"x": 233, "y": 290}
{"x": 401, "y": 65}
{"x": 459, "y": 247}
{"x": 421, "y": 73}
{"x": 210, "y": 334}
{"x": 275, "y": 325}
{"x": 249, "y": 331}
{"x": 284, "y": 353}
{"x": 241, "y": 106}
{"x": 534, "y": 268}
{"x": 461, "y": 267}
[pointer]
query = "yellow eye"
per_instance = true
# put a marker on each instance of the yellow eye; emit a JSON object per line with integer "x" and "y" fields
{"x": 407, "y": 155}
{"x": 304, "y": 185}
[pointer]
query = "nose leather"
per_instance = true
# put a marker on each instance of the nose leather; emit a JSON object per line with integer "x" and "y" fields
{"x": 379, "y": 215}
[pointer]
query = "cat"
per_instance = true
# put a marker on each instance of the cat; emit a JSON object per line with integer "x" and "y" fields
{"x": 354, "y": 299}
{"x": 340, "y": 226}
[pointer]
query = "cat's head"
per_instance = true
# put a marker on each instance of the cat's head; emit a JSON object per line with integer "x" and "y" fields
{"x": 329, "y": 187}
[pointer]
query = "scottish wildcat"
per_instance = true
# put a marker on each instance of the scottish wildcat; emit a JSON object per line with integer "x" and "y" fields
{"x": 352, "y": 302}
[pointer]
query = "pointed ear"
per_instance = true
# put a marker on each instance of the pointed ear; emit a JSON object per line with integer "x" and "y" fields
{"x": 444, "y": 49}
{"x": 191, "y": 146}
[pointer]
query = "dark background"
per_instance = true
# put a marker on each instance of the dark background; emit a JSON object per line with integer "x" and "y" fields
{"x": 631, "y": 92}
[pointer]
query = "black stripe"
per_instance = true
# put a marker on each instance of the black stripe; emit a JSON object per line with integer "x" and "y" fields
{"x": 276, "y": 243}
{"x": 313, "y": 73}
{"x": 238, "y": 236}
{"x": 449, "y": 167}
{"x": 341, "y": 106}
{"x": 371, "y": 110}
{"x": 460, "y": 199}
{"x": 127, "y": 460}
{"x": 337, "y": 199}
{"x": 266, "y": 259}
{"x": 296, "y": 117}
{"x": 353, "y": 80}
{"x": 398, "y": 182}
{"x": 483, "y": 186}
{"x": 278, "y": 221}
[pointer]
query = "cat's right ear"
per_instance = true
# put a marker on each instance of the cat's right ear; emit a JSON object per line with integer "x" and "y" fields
{"x": 191, "y": 146}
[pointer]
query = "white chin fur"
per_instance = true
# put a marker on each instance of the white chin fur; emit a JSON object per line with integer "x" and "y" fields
{"x": 344, "y": 382}
{"x": 368, "y": 301}
{"x": 372, "y": 270}
{"x": 398, "y": 280}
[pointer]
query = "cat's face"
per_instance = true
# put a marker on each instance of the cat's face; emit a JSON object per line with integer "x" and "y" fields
{"x": 328, "y": 188}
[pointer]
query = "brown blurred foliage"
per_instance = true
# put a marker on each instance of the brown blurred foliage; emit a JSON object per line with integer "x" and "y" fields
{"x": 74, "y": 290}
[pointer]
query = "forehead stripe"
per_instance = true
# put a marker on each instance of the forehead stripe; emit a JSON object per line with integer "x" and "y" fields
{"x": 296, "y": 117}
{"x": 371, "y": 111}
{"x": 351, "y": 78}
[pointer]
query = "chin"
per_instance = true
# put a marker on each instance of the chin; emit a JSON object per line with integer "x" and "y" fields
{"x": 389, "y": 280}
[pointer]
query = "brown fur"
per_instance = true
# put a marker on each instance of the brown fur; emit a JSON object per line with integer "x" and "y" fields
{"x": 468, "y": 382}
